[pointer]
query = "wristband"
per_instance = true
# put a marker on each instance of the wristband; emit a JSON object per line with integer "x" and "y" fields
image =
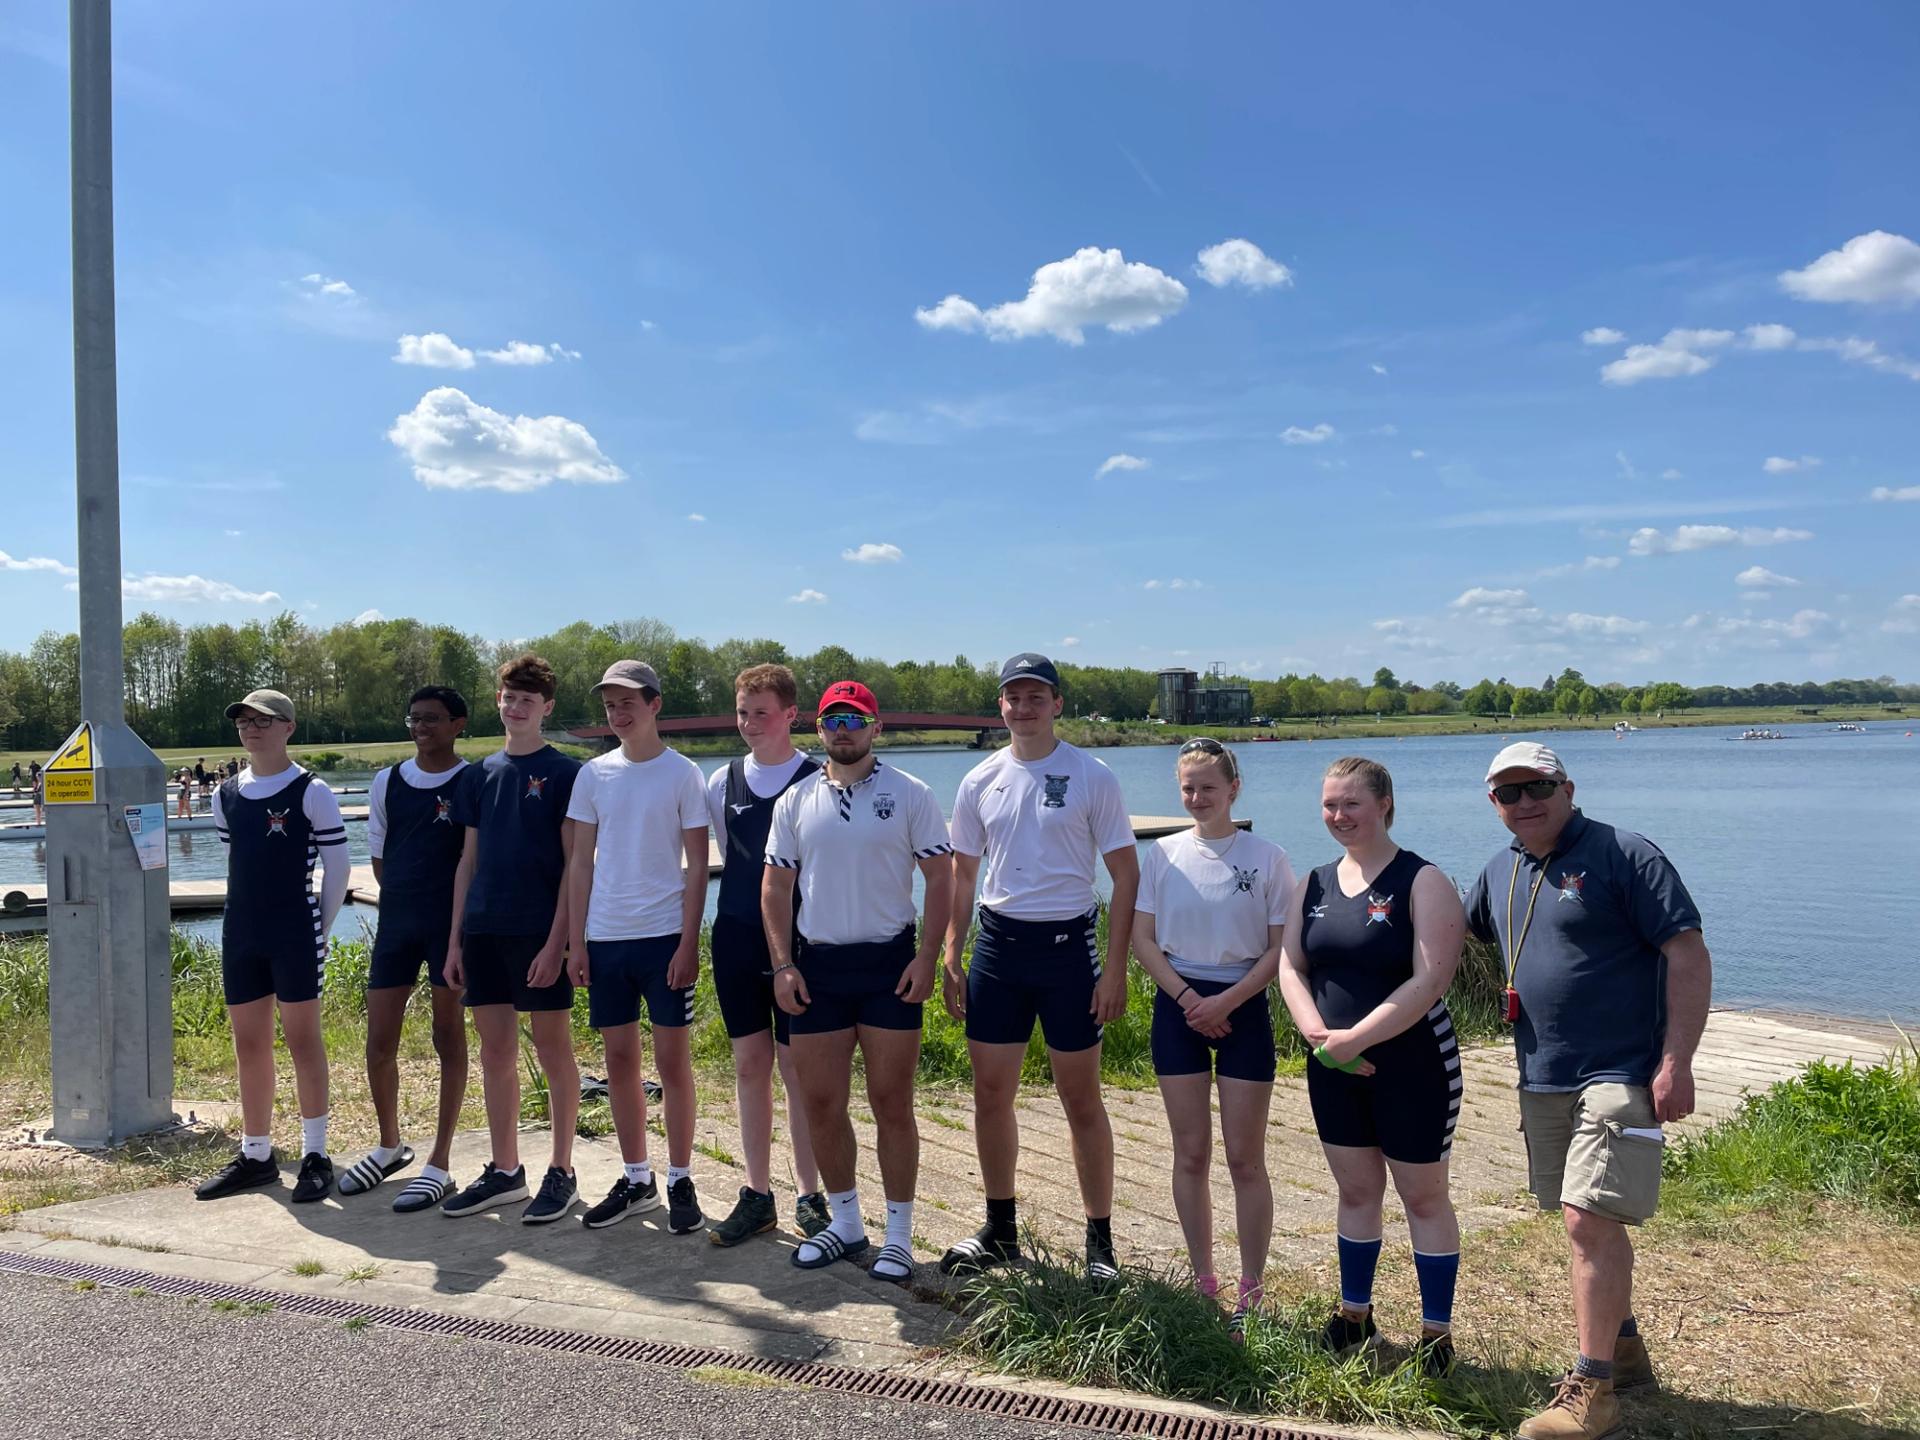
{"x": 778, "y": 968}
{"x": 1183, "y": 995}
{"x": 1321, "y": 1053}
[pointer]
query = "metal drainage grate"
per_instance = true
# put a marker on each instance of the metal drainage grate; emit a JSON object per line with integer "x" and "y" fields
{"x": 904, "y": 1389}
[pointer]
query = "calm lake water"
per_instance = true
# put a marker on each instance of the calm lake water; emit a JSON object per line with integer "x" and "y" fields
{"x": 1803, "y": 854}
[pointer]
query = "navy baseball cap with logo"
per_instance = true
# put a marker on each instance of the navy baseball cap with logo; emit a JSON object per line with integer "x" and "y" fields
{"x": 1029, "y": 667}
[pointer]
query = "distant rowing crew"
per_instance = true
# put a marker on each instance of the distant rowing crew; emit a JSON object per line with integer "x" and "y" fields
{"x": 514, "y": 880}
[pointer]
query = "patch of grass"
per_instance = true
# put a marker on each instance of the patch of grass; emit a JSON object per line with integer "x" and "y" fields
{"x": 86, "y": 1285}
{"x": 119, "y": 1242}
{"x": 595, "y": 1120}
{"x": 738, "y": 1379}
{"x": 1838, "y": 1131}
{"x": 941, "y": 1118}
{"x": 308, "y": 1268}
{"x": 242, "y": 1307}
{"x": 718, "y": 1153}
{"x": 356, "y": 1323}
{"x": 139, "y": 1292}
{"x": 359, "y": 1274}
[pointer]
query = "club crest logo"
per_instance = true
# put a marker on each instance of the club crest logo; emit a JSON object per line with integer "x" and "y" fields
{"x": 277, "y": 821}
{"x": 1056, "y": 796}
{"x": 536, "y": 787}
{"x": 1316, "y": 912}
{"x": 1379, "y": 909}
{"x": 1574, "y": 887}
{"x": 1243, "y": 880}
{"x": 883, "y": 806}
{"x": 442, "y": 810}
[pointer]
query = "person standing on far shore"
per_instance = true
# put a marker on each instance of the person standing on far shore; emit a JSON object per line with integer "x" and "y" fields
{"x": 1608, "y": 984}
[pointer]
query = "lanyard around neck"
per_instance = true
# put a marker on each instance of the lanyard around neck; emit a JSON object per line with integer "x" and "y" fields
{"x": 1514, "y": 942}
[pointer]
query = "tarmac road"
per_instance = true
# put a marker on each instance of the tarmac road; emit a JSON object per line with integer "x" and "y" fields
{"x": 108, "y": 1363}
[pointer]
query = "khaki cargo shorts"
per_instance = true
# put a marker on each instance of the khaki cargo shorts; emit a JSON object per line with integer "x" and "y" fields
{"x": 1597, "y": 1149}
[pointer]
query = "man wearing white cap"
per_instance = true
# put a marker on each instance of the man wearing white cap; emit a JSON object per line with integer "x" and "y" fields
{"x": 1608, "y": 982}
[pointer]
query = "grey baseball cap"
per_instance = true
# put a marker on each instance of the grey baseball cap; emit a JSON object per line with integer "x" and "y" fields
{"x": 267, "y": 702}
{"x": 629, "y": 675}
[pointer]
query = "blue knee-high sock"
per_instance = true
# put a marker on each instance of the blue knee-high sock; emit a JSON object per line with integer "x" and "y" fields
{"x": 1437, "y": 1274}
{"x": 1358, "y": 1260}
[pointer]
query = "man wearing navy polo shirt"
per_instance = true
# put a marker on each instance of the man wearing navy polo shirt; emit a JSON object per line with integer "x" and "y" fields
{"x": 1608, "y": 983}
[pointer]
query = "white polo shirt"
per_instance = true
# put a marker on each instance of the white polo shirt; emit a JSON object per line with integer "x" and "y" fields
{"x": 1212, "y": 900}
{"x": 642, "y": 809}
{"x": 856, "y": 850}
{"x": 1040, "y": 824}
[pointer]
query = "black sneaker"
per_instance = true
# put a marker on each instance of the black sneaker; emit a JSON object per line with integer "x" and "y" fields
{"x": 626, "y": 1198}
{"x": 494, "y": 1187}
{"x": 753, "y": 1214}
{"x": 1435, "y": 1354}
{"x": 1102, "y": 1267}
{"x": 316, "y": 1179}
{"x": 982, "y": 1250}
{"x": 558, "y": 1190}
{"x": 239, "y": 1174}
{"x": 1344, "y": 1335}
{"x": 683, "y": 1207}
{"x": 810, "y": 1215}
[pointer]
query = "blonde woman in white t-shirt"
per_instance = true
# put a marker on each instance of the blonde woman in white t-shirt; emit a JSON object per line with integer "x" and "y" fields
{"x": 1207, "y": 928}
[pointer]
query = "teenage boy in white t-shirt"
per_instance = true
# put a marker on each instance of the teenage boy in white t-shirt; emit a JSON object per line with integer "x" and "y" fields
{"x": 636, "y": 889}
{"x": 1037, "y": 813}
{"x": 849, "y": 838}
{"x": 740, "y": 798}
{"x": 276, "y": 819}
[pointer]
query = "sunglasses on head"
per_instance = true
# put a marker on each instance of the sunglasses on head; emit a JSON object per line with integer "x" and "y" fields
{"x": 1205, "y": 744}
{"x": 844, "y": 720}
{"x": 1532, "y": 789}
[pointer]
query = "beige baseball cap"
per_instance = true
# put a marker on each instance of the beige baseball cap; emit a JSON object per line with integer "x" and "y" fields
{"x": 1527, "y": 755}
{"x": 267, "y": 702}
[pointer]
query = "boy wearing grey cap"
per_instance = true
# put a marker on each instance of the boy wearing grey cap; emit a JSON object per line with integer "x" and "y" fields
{"x": 276, "y": 820}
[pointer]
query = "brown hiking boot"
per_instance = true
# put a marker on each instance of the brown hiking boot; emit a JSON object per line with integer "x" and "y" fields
{"x": 1632, "y": 1367}
{"x": 1581, "y": 1409}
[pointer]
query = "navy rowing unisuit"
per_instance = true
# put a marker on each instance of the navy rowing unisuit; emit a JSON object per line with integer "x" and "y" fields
{"x": 742, "y": 966}
{"x": 1359, "y": 950}
{"x": 418, "y": 847}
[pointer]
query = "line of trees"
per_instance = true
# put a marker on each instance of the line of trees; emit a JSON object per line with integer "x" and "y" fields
{"x": 350, "y": 682}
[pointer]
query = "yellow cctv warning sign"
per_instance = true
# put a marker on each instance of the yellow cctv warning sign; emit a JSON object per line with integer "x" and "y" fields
{"x": 69, "y": 774}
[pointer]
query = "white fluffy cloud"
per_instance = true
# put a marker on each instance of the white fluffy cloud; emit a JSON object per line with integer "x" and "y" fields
{"x": 1602, "y": 335}
{"x": 1120, "y": 462}
{"x": 1903, "y": 616}
{"x": 809, "y": 596}
{"x": 1784, "y": 465}
{"x": 1877, "y": 268}
{"x": 1677, "y": 354}
{"x": 1173, "y": 585}
{"x": 1648, "y": 541}
{"x": 1592, "y": 562}
{"x": 1416, "y": 454}
{"x": 1581, "y": 624}
{"x": 1866, "y": 352}
{"x": 1377, "y": 368}
{"x": 1481, "y": 598}
{"x": 872, "y": 554}
{"x": 325, "y": 287}
{"x": 1090, "y": 287}
{"x": 433, "y": 350}
{"x": 455, "y": 443}
{"x": 1805, "y": 625}
{"x": 520, "y": 352}
{"x": 36, "y": 562}
{"x": 697, "y": 518}
{"x": 1889, "y": 492}
{"x": 1769, "y": 337}
{"x": 1758, "y": 577}
{"x": 1069, "y": 641}
{"x": 1241, "y": 262}
{"x": 366, "y": 617}
{"x": 188, "y": 589}
{"x": 1318, "y": 435}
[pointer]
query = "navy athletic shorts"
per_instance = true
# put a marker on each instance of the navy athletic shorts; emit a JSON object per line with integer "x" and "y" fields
{"x": 849, "y": 985}
{"x": 743, "y": 980}
{"x": 622, "y": 973}
{"x": 401, "y": 947}
{"x": 1027, "y": 970}
{"x": 277, "y": 952}
{"x": 1408, "y": 1107}
{"x": 1245, "y": 1052}
{"x": 497, "y": 967}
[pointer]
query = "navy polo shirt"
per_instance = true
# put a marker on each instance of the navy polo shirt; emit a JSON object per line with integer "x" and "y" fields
{"x": 518, "y": 804}
{"x": 1592, "y": 980}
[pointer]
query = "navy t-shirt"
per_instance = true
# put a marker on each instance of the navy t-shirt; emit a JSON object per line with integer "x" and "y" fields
{"x": 1592, "y": 980}
{"x": 518, "y": 804}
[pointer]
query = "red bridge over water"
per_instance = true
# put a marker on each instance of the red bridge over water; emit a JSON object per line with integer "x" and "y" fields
{"x": 981, "y": 727}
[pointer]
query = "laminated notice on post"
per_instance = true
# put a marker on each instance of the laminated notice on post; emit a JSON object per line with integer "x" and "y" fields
{"x": 147, "y": 825}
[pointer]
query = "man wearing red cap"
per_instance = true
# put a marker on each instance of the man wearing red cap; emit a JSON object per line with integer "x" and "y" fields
{"x": 849, "y": 838}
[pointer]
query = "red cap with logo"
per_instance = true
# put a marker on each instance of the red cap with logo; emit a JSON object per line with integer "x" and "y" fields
{"x": 850, "y": 693}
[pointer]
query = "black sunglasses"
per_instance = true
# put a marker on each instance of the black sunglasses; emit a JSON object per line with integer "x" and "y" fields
{"x": 1532, "y": 789}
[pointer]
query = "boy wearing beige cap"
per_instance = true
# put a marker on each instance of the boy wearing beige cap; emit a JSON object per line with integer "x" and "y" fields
{"x": 276, "y": 820}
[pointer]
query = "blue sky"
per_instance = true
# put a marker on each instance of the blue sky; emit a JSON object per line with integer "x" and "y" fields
{"x": 1549, "y": 338}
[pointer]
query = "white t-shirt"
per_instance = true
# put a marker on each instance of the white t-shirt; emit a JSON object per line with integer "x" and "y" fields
{"x": 322, "y": 809}
{"x": 1040, "y": 824}
{"x": 1212, "y": 900}
{"x": 765, "y": 781}
{"x": 642, "y": 809}
{"x": 419, "y": 779}
{"x": 856, "y": 850}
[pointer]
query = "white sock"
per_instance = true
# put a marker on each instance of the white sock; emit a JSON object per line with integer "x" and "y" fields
{"x": 256, "y": 1147}
{"x": 639, "y": 1172}
{"x": 313, "y": 1135}
{"x": 846, "y": 1215}
{"x": 677, "y": 1173}
{"x": 900, "y": 1224}
{"x": 383, "y": 1154}
{"x": 433, "y": 1172}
